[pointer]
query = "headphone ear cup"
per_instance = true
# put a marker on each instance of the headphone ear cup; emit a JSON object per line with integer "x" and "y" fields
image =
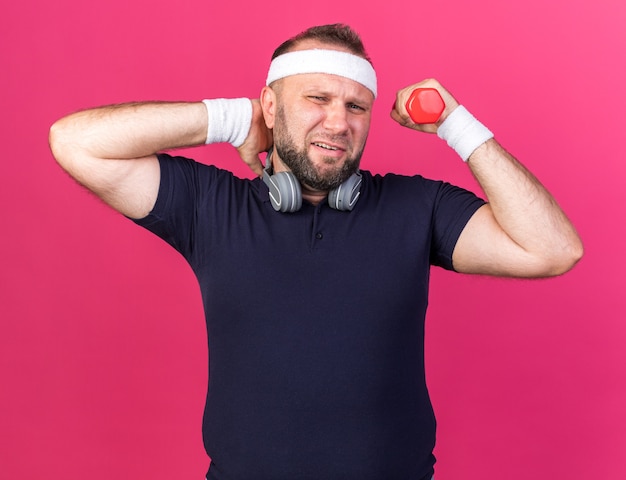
{"x": 344, "y": 197}
{"x": 285, "y": 192}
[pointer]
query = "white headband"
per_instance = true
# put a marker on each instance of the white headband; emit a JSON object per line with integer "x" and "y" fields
{"x": 332, "y": 62}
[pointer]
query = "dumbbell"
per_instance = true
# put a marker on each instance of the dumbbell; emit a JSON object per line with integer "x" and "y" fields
{"x": 425, "y": 105}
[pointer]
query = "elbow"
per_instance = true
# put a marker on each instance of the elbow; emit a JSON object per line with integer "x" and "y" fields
{"x": 576, "y": 253}
{"x": 55, "y": 142}
{"x": 565, "y": 258}
{"x": 62, "y": 144}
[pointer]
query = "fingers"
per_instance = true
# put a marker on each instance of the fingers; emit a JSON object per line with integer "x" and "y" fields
{"x": 259, "y": 140}
{"x": 255, "y": 165}
{"x": 249, "y": 153}
{"x": 423, "y": 106}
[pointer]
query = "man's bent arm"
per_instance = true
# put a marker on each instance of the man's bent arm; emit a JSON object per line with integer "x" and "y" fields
{"x": 111, "y": 150}
{"x": 522, "y": 232}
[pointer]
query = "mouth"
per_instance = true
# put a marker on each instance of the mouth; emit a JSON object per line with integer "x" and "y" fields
{"x": 328, "y": 147}
{"x": 325, "y": 146}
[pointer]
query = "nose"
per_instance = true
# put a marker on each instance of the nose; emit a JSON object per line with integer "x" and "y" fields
{"x": 336, "y": 119}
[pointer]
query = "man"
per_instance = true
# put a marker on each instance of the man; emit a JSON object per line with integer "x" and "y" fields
{"x": 315, "y": 312}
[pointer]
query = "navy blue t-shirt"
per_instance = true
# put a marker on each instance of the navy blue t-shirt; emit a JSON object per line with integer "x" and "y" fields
{"x": 315, "y": 321}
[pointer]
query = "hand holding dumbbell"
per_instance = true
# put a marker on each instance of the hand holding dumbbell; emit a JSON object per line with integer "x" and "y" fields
{"x": 425, "y": 105}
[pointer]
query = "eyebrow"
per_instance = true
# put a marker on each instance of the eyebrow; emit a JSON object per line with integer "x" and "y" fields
{"x": 325, "y": 92}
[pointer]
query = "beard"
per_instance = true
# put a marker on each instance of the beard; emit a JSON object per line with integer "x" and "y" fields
{"x": 298, "y": 161}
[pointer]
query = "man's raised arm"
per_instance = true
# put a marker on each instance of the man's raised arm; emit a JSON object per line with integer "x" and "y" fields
{"x": 522, "y": 231}
{"x": 112, "y": 150}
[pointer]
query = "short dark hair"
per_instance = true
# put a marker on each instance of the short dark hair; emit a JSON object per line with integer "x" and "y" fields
{"x": 335, "y": 34}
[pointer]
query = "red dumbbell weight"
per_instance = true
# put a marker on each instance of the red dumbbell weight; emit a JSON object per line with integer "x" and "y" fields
{"x": 425, "y": 105}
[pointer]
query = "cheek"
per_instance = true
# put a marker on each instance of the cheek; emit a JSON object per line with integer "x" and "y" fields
{"x": 360, "y": 131}
{"x": 308, "y": 120}
{"x": 300, "y": 127}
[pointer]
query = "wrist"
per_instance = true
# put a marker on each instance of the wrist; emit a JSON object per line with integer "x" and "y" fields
{"x": 229, "y": 120}
{"x": 463, "y": 132}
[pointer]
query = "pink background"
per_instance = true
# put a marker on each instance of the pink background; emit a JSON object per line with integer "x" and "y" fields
{"x": 102, "y": 343}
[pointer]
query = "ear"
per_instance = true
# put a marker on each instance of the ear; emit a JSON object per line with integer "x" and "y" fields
{"x": 268, "y": 104}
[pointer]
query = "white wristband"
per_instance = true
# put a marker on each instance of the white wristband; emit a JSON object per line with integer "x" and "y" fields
{"x": 229, "y": 120}
{"x": 463, "y": 132}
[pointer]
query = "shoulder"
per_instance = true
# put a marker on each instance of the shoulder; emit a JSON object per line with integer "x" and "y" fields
{"x": 183, "y": 172}
{"x": 392, "y": 185}
{"x": 398, "y": 179}
{"x": 187, "y": 166}
{"x": 206, "y": 184}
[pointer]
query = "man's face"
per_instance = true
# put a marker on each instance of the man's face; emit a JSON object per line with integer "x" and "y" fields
{"x": 321, "y": 126}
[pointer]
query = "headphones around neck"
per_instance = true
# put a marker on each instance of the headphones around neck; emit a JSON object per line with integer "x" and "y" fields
{"x": 286, "y": 192}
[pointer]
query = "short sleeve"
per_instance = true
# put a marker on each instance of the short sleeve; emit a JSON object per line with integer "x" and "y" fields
{"x": 173, "y": 216}
{"x": 453, "y": 208}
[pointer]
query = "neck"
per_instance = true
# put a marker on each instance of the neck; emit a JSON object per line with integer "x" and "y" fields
{"x": 309, "y": 194}
{"x": 313, "y": 196}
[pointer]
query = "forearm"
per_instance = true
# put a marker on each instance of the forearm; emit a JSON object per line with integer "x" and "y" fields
{"x": 523, "y": 208}
{"x": 132, "y": 130}
{"x": 111, "y": 150}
